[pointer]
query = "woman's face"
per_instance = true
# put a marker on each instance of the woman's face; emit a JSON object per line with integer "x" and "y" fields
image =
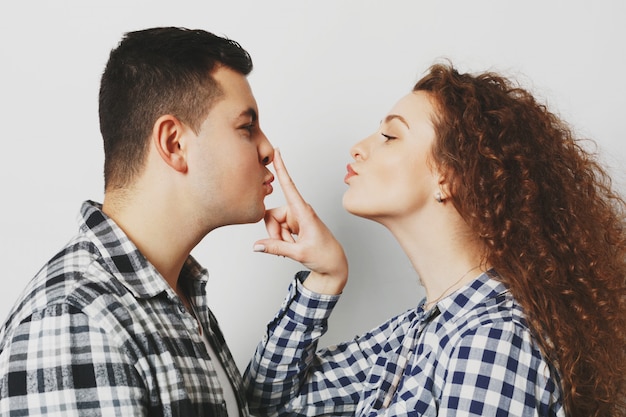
{"x": 391, "y": 177}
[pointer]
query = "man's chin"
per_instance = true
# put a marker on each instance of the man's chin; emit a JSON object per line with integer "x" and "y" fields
{"x": 255, "y": 216}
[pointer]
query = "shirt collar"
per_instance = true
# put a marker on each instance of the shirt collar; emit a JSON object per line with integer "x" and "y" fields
{"x": 121, "y": 258}
{"x": 486, "y": 286}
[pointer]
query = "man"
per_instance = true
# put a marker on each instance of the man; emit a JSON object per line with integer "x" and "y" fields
{"x": 117, "y": 322}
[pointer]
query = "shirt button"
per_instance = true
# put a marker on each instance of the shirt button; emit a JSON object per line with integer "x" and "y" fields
{"x": 182, "y": 309}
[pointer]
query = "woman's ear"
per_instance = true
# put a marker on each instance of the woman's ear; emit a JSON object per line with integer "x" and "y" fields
{"x": 443, "y": 190}
{"x": 167, "y": 138}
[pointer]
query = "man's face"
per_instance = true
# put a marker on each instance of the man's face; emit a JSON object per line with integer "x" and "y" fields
{"x": 228, "y": 158}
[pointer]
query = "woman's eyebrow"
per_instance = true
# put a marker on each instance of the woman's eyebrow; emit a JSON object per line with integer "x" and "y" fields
{"x": 396, "y": 116}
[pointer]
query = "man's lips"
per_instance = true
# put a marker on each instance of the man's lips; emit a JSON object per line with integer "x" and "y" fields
{"x": 350, "y": 173}
{"x": 268, "y": 184}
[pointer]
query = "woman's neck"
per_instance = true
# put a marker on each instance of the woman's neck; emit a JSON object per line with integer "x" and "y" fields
{"x": 442, "y": 251}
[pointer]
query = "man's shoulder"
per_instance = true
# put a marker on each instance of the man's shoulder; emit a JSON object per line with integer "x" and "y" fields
{"x": 74, "y": 276}
{"x": 78, "y": 264}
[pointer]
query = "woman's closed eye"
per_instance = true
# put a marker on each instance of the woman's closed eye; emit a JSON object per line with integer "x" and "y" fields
{"x": 388, "y": 137}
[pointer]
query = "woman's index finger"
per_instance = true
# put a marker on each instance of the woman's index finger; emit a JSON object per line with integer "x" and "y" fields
{"x": 286, "y": 183}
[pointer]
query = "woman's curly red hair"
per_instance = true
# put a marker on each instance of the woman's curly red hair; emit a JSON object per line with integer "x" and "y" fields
{"x": 551, "y": 224}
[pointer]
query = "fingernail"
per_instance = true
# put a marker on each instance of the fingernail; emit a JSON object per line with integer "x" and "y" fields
{"x": 259, "y": 248}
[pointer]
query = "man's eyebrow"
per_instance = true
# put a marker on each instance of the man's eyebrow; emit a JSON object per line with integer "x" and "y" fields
{"x": 249, "y": 112}
{"x": 391, "y": 117}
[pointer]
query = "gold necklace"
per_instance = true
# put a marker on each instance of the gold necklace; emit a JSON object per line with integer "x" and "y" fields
{"x": 443, "y": 294}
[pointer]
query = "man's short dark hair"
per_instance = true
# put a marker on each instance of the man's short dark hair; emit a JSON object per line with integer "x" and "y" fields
{"x": 153, "y": 72}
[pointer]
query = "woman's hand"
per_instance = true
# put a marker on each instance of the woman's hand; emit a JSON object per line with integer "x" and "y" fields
{"x": 296, "y": 232}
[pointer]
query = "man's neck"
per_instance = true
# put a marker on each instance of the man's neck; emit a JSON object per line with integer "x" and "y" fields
{"x": 156, "y": 230}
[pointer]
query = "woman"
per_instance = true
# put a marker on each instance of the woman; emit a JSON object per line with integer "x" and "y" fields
{"x": 516, "y": 236}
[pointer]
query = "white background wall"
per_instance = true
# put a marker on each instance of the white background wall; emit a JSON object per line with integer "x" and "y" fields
{"x": 325, "y": 74}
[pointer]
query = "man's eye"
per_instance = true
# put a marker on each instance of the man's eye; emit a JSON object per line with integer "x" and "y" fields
{"x": 249, "y": 127}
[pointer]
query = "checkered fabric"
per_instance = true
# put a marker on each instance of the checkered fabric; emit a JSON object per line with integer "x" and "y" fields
{"x": 98, "y": 332}
{"x": 470, "y": 355}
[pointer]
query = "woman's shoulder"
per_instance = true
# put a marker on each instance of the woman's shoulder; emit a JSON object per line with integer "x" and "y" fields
{"x": 486, "y": 302}
{"x": 495, "y": 321}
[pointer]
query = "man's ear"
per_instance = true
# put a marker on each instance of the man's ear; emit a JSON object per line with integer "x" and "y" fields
{"x": 167, "y": 138}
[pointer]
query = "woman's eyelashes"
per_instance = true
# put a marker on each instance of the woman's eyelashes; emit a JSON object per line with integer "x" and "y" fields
{"x": 387, "y": 137}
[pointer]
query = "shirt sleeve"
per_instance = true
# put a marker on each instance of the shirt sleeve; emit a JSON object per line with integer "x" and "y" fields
{"x": 495, "y": 370}
{"x": 57, "y": 362}
{"x": 287, "y": 376}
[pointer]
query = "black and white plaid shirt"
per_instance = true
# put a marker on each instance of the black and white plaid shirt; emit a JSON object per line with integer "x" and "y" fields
{"x": 99, "y": 332}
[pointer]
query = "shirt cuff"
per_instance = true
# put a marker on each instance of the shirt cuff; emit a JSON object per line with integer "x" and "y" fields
{"x": 305, "y": 306}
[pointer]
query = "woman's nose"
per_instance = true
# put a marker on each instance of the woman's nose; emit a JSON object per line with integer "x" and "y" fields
{"x": 358, "y": 151}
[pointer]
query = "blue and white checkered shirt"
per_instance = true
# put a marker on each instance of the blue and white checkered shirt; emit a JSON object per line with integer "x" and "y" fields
{"x": 471, "y": 355}
{"x": 99, "y": 332}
